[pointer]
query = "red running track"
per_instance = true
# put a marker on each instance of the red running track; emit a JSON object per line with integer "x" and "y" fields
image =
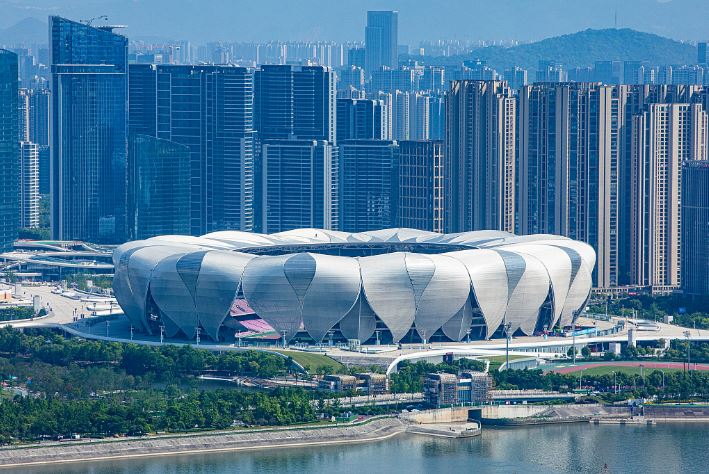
{"x": 646, "y": 365}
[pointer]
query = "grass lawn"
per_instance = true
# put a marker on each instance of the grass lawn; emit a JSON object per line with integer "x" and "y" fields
{"x": 312, "y": 360}
{"x": 608, "y": 370}
{"x": 497, "y": 361}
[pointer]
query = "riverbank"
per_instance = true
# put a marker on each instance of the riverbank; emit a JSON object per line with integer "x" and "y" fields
{"x": 371, "y": 430}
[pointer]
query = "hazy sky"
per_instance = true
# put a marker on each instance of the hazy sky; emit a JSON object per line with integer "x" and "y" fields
{"x": 247, "y": 20}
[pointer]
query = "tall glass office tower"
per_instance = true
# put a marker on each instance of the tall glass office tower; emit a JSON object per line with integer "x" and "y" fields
{"x": 368, "y": 184}
{"x": 9, "y": 150}
{"x": 208, "y": 109}
{"x": 88, "y": 123}
{"x": 159, "y": 184}
{"x": 381, "y": 40}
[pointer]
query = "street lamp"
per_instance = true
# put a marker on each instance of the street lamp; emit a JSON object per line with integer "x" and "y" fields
{"x": 162, "y": 332}
{"x": 573, "y": 335}
{"x": 689, "y": 358}
{"x": 507, "y": 345}
{"x": 131, "y": 332}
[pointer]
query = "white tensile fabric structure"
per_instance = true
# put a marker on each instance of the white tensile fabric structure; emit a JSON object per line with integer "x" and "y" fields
{"x": 407, "y": 279}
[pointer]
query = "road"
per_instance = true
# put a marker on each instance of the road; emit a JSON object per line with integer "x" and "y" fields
{"x": 64, "y": 309}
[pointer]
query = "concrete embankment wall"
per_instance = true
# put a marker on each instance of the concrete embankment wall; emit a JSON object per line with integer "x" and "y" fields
{"x": 222, "y": 441}
{"x": 440, "y": 415}
{"x": 512, "y": 411}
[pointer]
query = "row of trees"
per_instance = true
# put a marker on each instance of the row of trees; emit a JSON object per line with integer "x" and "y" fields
{"x": 687, "y": 311}
{"x": 667, "y": 385}
{"x": 160, "y": 363}
{"x": 136, "y": 413}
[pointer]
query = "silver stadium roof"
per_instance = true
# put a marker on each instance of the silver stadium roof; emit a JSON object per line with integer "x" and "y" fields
{"x": 313, "y": 280}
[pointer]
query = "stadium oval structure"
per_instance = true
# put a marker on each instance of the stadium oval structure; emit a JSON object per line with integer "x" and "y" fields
{"x": 395, "y": 285}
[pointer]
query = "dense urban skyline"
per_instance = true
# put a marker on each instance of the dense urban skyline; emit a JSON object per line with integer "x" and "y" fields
{"x": 191, "y": 139}
{"x": 339, "y": 21}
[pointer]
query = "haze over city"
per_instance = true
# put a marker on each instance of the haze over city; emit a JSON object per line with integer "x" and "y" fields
{"x": 321, "y": 20}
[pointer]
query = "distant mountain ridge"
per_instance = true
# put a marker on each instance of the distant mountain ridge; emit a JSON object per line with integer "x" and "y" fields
{"x": 27, "y": 31}
{"x": 583, "y": 49}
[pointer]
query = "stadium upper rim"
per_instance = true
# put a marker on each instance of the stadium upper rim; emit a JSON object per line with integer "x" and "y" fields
{"x": 396, "y": 279}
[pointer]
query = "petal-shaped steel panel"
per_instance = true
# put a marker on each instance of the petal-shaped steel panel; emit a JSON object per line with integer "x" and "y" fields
{"x": 140, "y": 268}
{"x": 218, "y": 281}
{"x": 271, "y": 295}
{"x": 172, "y": 296}
{"x": 446, "y": 293}
{"x": 331, "y": 295}
{"x": 488, "y": 276}
{"x": 360, "y": 323}
{"x": 528, "y": 295}
{"x": 456, "y": 328}
{"x": 558, "y": 265}
{"x": 388, "y": 290}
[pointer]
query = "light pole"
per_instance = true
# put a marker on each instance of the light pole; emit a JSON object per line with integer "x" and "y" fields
{"x": 284, "y": 338}
{"x": 573, "y": 336}
{"x": 108, "y": 323}
{"x": 131, "y": 332}
{"x": 162, "y": 332}
{"x": 198, "y": 335}
{"x": 507, "y": 345}
{"x": 615, "y": 383}
{"x": 689, "y": 357}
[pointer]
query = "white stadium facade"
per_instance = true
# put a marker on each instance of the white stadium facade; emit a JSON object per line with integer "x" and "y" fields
{"x": 391, "y": 285}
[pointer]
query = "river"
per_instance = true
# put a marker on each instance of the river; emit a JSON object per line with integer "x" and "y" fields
{"x": 663, "y": 448}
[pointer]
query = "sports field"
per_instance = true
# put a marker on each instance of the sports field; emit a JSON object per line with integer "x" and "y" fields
{"x": 627, "y": 367}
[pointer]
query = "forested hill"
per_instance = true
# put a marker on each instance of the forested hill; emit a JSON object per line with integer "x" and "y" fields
{"x": 583, "y": 49}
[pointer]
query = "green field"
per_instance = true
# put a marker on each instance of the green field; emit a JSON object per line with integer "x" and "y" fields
{"x": 312, "y": 360}
{"x": 608, "y": 370}
{"x": 497, "y": 361}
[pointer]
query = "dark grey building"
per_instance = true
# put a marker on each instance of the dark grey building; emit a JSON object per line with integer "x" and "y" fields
{"x": 300, "y": 185}
{"x": 420, "y": 185}
{"x": 368, "y": 184}
{"x": 9, "y": 150}
{"x": 298, "y": 104}
{"x": 295, "y": 102}
{"x": 480, "y": 156}
{"x": 361, "y": 119}
{"x": 381, "y": 40}
{"x": 159, "y": 188}
{"x": 89, "y": 132}
{"x": 209, "y": 109}
{"x": 695, "y": 227}
{"x": 703, "y": 52}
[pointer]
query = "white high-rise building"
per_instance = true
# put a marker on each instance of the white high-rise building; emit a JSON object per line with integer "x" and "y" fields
{"x": 29, "y": 184}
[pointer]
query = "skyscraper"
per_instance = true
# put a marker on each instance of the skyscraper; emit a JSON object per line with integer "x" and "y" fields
{"x": 89, "y": 140}
{"x": 29, "y": 185}
{"x": 381, "y": 40}
{"x": 209, "y": 109}
{"x": 420, "y": 185}
{"x": 314, "y": 96}
{"x": 480, "y": 156}
{"x": 664, "y": 136}
{"x": 159, "y": 187}
{"x": 360, "y": 119}
{"x": 9, "y": 150}
{"x": 695, "y": 227}
{"x": 39, "y": 117}
{"x": 368, "y": 184}
{"x": 300, "y": 185}
{"x": 568, "y": 167}
{"x": 703, "y": 52}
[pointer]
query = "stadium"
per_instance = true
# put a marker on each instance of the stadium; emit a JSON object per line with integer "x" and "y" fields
{"x": 385, "y": 286}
